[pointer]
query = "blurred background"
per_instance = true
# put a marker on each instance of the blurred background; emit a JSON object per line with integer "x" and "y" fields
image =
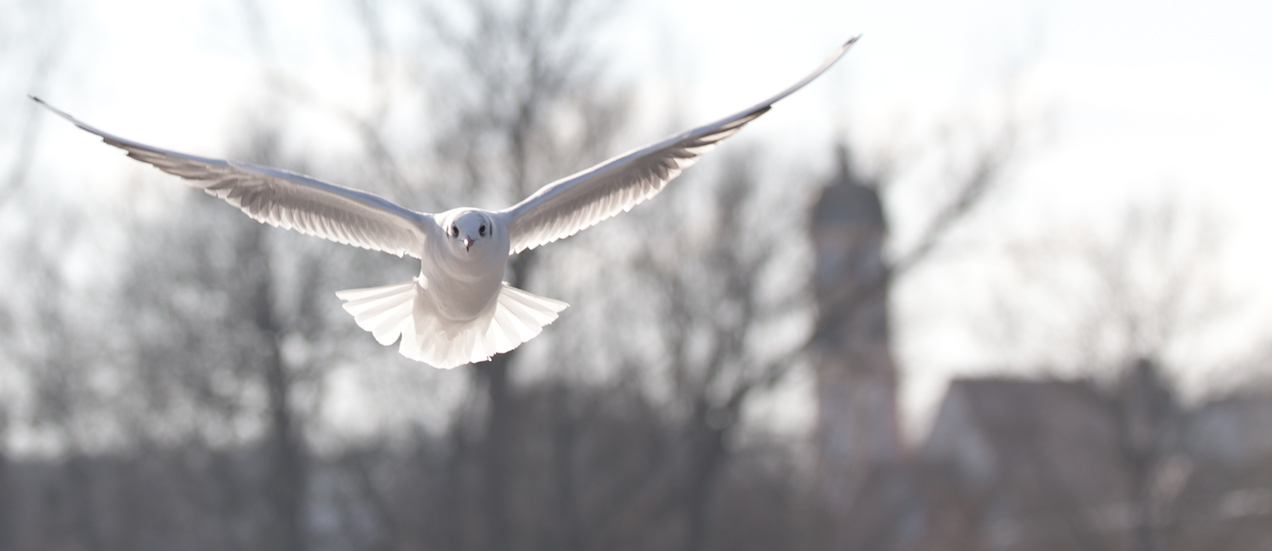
{"x": 998, "y": 280}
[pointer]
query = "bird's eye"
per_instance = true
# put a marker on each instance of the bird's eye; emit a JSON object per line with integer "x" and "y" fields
{"x": 482, "y": 230}
{"x": 454, "y": 231}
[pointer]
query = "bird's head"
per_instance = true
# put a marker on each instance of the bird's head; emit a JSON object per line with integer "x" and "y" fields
{"x": 471, "y": 231}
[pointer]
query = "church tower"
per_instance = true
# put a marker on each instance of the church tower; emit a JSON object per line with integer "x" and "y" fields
{"x": 856, "y": 427}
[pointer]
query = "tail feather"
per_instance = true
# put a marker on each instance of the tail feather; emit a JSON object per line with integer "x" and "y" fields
{"x": 381, "y": 310}
{"x": 384, "y": 311}
{"x": 373, "y": 292}
{"x": 527, "y": 309}
{"x": 405, "y": 311}
{"x": 521, "y": 316}
{"x": 497, "y": 335}
{"x": 391, "y": 324}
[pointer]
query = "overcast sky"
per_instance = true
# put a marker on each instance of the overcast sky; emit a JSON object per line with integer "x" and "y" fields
{"x": 1142, "y": 101}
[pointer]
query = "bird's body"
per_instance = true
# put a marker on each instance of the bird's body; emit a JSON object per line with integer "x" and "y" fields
{"x": 458, "y": 310}
{"x": 464, "y": 280}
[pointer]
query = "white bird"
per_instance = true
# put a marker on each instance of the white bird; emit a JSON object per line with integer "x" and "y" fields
{"x": 458, "y": 310}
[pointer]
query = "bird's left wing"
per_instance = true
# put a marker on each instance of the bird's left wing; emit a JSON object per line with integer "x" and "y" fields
{"x": 287, "y": 199}
{"x": 566, "y": 206}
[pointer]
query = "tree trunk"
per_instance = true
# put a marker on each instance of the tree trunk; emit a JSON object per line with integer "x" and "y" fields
{"x": 7, "y": 536}
{"x": 706, "y": 448}
{"x": 497, "y": 475}
{"x": 564, "y": 438}
{"x": 286, "y": 485}
{"x": 80, "y": 480}
{"x": 498, "y": 447}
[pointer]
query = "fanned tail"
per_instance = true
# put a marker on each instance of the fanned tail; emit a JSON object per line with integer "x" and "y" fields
{"x": 384, "y": 311}
{"x": 405, "y": 310}
{"x": 519, "y": 317}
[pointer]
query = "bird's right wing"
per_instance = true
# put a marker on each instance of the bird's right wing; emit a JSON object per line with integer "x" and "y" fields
{"x": 569, "y": 205}
{"x": 287, "y": 199}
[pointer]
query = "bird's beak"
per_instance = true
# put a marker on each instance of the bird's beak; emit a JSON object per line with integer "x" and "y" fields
{"x": 468, "y": 242}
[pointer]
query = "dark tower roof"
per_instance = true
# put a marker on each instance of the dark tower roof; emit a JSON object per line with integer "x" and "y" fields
{"x": 848, "y": 199}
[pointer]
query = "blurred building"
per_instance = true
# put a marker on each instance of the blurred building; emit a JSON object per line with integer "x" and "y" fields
{"x": 856, "y": 432}
{"x": 1017, "y": 464}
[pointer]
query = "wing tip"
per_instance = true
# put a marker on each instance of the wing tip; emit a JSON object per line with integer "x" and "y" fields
{"x": 73, "y": 120}
{"x": 840, "y": 52}
{"x": 46, "y": 105}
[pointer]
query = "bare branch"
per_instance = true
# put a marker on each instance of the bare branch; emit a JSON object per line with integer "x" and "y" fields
{"x": 988, "y": 165}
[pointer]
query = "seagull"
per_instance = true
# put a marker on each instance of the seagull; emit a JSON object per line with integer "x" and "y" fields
{"x": 458, "y": 310}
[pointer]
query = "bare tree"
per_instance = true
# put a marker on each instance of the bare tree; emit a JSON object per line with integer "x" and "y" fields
{"x": 34, "y": 38}
{"x": 520, "y": 69}
{"x": 1094, "y": 301}
{"x": 714, "y": 322}
{"x": 694, "y": 339}
{"x": 71, "y": 394}
{"x": 231, "y": 344}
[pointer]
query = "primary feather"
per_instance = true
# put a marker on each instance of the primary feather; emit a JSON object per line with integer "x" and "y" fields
{"x": 287, "y": 199}
{"x": 569, "y": 205}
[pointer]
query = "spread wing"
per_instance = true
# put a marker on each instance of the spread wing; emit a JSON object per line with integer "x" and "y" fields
{"x": 287, "y": 199}
{"x": 566, "y": 206}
